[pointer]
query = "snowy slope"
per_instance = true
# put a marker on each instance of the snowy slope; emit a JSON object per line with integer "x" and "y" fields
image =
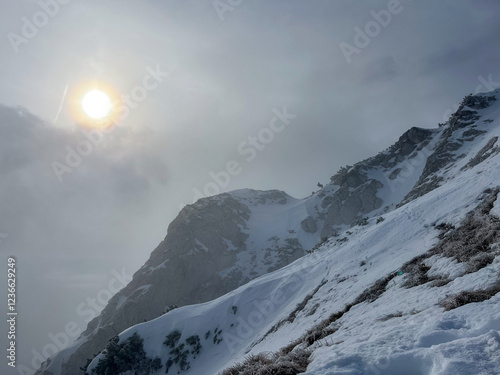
{"x": 399, "y": 327}
{"x": 211, "y": 248}
{"x": 407, "y": 340}
{"x": 222, "y": 242}
{"x": 378, "y": 213}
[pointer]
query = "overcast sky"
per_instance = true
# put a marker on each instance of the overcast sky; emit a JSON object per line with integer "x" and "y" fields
{"x": 215, "y": 76}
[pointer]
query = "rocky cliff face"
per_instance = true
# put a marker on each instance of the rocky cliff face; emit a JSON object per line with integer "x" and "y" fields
{"x": 211, "y": 248}
{"x": 222, "y": 242}
{"x": 463, "y": 127}
{"x": 360, "y": 190}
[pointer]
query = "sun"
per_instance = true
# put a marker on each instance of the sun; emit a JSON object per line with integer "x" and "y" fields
{"x": 97, "y": 104}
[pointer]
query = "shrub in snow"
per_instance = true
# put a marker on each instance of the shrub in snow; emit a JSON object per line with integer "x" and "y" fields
{"x": 180, "y": 353}
{"x": 180, "y": 357}
{"x": 194, "y": 342}
{"x": 217, "y": 336}
{"x": 440, "y": 281}
{"x": 387, "y": 317}
{"x": 473, "y": 242}
{"x": 362, "y": 222}
{"x": 319, "y": 244}
{"x": 465, "y": 297}
{"x": 415, "y": 272}
{"x": 318, "y": 332}
{"x": 84, "y": 367}
{"x": 475, "y": 237}
{"x": 341, "y": 175}
{"x": 479, "y": 261}
{"x": 172, "y": 339}
{"x": 375, "y": 291}
{"x": 169, "y": 308}
{"x": 292, "y": 363}
{"x": 300, "y": 306}
{"x": 119, "y": 358}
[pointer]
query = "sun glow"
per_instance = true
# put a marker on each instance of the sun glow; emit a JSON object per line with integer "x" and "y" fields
{"x": 96, "y": 104}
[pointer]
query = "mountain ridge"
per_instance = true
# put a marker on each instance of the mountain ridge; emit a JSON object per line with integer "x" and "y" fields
{"x": 421, "y": 161}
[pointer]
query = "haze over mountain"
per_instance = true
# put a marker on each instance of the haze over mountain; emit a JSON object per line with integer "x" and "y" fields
{"x": 392, "y": 241}
{"x": 227, "y": 73}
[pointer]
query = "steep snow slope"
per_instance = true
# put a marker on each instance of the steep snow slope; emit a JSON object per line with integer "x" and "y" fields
{"x": 211, "y": 248}
{"x": 398, "y": 326}
{"x": 223, "y": 242}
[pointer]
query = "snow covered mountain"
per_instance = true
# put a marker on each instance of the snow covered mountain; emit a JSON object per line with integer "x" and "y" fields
{"x": 398, "y": 244}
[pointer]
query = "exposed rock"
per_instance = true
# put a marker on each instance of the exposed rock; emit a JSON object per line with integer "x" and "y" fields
{"x": 444, "y": 155}
{"x": 205, "y": 254}
{"x": 222, "y": 242}
{"x": 488, "y": 150}
{"x": 309, "y": 225}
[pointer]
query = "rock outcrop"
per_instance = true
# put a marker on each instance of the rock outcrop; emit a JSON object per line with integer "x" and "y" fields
{"x": 222, "y": 242}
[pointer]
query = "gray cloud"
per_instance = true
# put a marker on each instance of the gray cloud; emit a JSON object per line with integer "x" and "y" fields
{"x": 382, "y": 69}
{"x": 224, "y": 79}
